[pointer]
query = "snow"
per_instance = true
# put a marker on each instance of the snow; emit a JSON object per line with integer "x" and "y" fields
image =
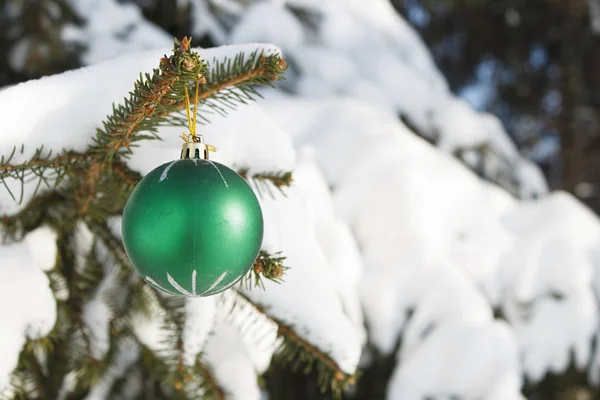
{"x": 148, "y": 328}
{"x": 227, "y": 357}
{"x": 318, "y": 319}
{"x": 96, "y": 313}
{"x": 333, "y": 235}
{"x": 26, "y": 282}
{"x": 59, "y": 108}
{"x": 127, "y": 353}
{"x": 265, "y": 146}
{"x": 254, "y": 19}
{"x": 257, "y": 331}
{"x": 373, "y": 54}
{"x": 205, "y": 23}
{"x": 200, "y": 317}
{"x": 534, "y": 182}
{"x": 549, "y": 281}
{"x": 481, "y": 364}
{"x": 380, "y": 228}
{"x": 41, "y": 244}
{"x": 392, "y": 236}
{"x": 114, "y": 28}
{"x": 462, "y": 127}
{"x": 446, "y": 236}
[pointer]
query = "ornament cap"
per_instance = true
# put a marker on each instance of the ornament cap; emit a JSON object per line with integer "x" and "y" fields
{"x": 194, "y": 147}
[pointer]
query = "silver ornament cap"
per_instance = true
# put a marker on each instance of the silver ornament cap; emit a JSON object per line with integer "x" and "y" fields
{"x": 194, "y": 147}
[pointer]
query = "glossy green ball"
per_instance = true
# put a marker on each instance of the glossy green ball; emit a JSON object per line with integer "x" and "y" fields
{"x": 192, "y": 227}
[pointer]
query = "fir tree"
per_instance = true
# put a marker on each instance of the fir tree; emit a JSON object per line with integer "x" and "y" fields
{"x": 71, "y": 199}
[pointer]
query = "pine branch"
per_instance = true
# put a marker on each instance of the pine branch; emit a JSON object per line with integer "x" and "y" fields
{"x": 72, "y": 338}
{"x": 161, "y": 94}
{"x": 266, "y": 266}
{"x": 48, "y": 170}
{"x": 126, "y": 175}
{"x": 231, "y": 81}
{"x": 155, "y": 101}
{"x": 130, "y": 294}
{"x": 43, "y": 208}
{"x": 210, "y": 388}
{"x": 278, "y": 179}
{"x": 299, "y": 353}
{"x": 185, "y": 382}
{"x": 89, "y": 277}
{"x": 28, "y": 379}
{"x": 112, "y": 244}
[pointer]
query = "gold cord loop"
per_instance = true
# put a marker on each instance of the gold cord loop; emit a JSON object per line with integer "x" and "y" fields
{"x": 194, "y": 146}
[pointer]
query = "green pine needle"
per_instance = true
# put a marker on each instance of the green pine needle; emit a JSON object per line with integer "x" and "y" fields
{"x": 266, "y": 266}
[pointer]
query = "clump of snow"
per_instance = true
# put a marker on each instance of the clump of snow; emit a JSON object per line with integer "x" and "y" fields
{"x": 533, "y": 182}
{"x": 461, "y": 127}
{"x": 96, "y": 313}
{"x": 372, "y": 53}
{"x": 35, "y": 315}
{"x": 200, "y": 315}
{"x": 113, "y": 28}
{"x": 549, "y": 275}
{"x": 41, "y": 245}
{"x": 257, "y": 330}
{"x": 318, "y": 319}
{"x": 206, "y": 23}
{"x": 59, "y": 100}
{"x": 246, "y": 138}
{"x": 227, "y": 356}
{"x": 430, "y": 237}
{"x": 96, "y": 316}
{"x": 127, "y": 353}
{"x": 469, "y": 368}
{"x": 254, "y": 21}
{"x": 333, "y": 234}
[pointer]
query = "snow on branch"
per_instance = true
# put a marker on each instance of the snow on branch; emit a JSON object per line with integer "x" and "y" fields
{"x": 296, "y": 351}
{"x": 155, "y": 98}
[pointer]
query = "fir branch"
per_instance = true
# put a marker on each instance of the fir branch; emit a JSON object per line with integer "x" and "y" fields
{"x": 298, "y": 352}
{"x": 129, "y": 294}
{"x": 90, "y": 276}
{"x": 210, "y": 387}
{"x": 231, "y": 81}
{"x": 126, "y": 175}
{"x": 71, "y": 331}
{"x": 40, "y": 209}
{"x": 42, "y": 166}
{"x": 266, "y": 266}
{"x": 156, "y": 100}
{"x": 182, "y": 380}
{"x": 112, "y": 244}
{"x": 28, "y": 379}
{"x": 278, "y": 179}
{"x": 161, "y": 94}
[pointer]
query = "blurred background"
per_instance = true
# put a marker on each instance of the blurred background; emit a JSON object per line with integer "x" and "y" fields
{"x": 533, "y": 64}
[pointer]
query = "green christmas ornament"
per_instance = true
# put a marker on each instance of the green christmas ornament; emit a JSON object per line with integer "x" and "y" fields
{"x": 192, "y": 227}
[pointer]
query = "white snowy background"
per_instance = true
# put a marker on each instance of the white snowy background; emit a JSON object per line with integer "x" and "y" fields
{"x": 385, "y": 233}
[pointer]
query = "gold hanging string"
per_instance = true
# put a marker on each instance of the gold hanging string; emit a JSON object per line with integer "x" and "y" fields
{"x": 196, "y": 107}
{"x": 192, "y": 122}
